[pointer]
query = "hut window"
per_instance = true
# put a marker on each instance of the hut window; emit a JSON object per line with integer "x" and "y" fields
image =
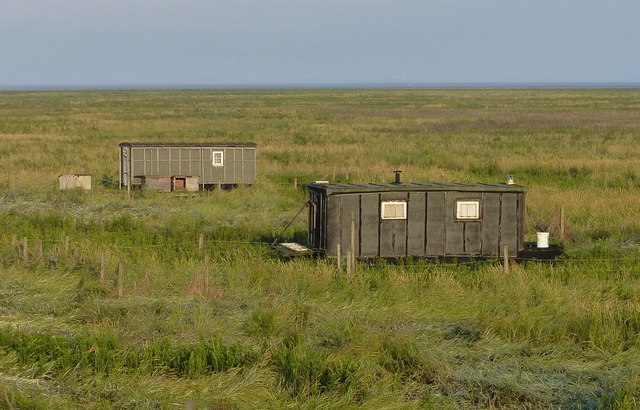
{"x": 468, "y": 209}
{"x": 394, "y": 210}
{"x": 217, "y": 158}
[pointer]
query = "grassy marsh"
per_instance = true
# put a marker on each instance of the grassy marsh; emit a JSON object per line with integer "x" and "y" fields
{"x": 252, "y": 331}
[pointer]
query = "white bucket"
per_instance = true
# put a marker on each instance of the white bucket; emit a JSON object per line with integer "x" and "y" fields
{"x": 543, "y": 239}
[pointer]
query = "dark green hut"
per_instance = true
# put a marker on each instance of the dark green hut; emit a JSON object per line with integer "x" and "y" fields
{"x": 416, "y": 219}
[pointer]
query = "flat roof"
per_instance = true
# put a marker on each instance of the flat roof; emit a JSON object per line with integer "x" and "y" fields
{"x": 330, "y": 189}
{"x": 187, "y": 144}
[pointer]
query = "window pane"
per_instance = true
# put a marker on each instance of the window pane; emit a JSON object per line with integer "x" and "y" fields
{"x": 394, "y": 210}
{"x": 217, "y": 158}
{"x": 468, "y": 210}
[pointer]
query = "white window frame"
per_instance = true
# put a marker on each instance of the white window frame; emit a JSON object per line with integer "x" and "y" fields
{"x": 463, "y": 208}
{"x": 385, "y": 204}
{"x": 213, "y": 158}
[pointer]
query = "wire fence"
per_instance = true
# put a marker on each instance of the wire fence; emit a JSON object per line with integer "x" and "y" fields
{"x": 202, "y": 244}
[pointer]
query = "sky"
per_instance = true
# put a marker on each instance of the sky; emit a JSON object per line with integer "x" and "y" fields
{"x": 89, "y": 43}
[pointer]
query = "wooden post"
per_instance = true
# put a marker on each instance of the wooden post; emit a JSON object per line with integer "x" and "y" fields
{"x": 349, "y": 262}
{"x": 206, "y": 275}
{"x": 562, "y": 223}
{"x": 25, "y": 250}
{"x": 333, "y": 180}
{"x": 120, "y": 279}
{"x": 339, "y": 253}
{"x": 66, "y": 245}
{"x": 39, "y": 250}
{"x": 295, "y": 183}
{"x": 103, "y": 265}
{"x": 200, "y": 241}
{"x": 506, "y": 259}
{"x": 53, "y": 256}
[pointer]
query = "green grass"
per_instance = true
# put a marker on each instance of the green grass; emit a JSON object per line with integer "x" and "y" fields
{"x": 250, "y": 330}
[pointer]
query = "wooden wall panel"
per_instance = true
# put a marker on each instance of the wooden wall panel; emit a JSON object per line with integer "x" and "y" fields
{"x": 509, "y": 222}
{"x": 435, "y": 224}
{"x": 370, "y": 223}
{"x": 349, "y": 209}
{"x": 472, "y": 238}
{"x": 393, "y": 232}
{"x": 416, "y": 212}
{"x": 334, "y": 230}
{"x": 491, "y": 224}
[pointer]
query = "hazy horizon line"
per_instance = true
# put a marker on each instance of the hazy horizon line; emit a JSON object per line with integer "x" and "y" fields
{"x": 338, "y": 85}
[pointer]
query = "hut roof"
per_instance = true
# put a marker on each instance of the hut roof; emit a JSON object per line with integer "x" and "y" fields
{"x": 187, "y": 144}
{"x": 331, "y": 189}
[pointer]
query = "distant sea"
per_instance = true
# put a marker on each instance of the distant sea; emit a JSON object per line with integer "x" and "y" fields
{"x": 626, "y": 85}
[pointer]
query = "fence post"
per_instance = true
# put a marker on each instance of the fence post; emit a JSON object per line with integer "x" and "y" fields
{"x": 200, "y": 241}
{"x": 562, "y": 223}
{"x": 25, "y": 250}
{"x": 339, "y": 253}
{"x": 39, "y": 250}
{"x": 103, "y": 264}
{"x": 206, "y": 275}
{"x": 53, "y": 256}
{"x": 66, "y": 246}
{"x": 120, "y": 279}
{"x": 295, "y": 183}
{"x": 506, "y": 258}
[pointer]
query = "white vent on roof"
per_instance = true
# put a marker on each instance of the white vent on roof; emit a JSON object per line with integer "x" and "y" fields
{"x": 394, "y": 210}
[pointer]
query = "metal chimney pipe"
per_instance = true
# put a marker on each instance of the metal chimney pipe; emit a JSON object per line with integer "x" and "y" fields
{"x": 397, "y": 181}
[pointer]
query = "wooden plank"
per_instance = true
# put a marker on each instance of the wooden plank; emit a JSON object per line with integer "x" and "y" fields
{"x": 491, "y": 224}
{"x": 137, "y": 154}
{"x": 454, "y": 241}
{"x": 312, "y": 231}
{"x": 369, "y": 224}
{"x": 521, "y": 208}
{"x": 393, "y": 232}
{"x": 317, "y": 219}
{"x": 334, "y": 231}
{"x": 472, "y": 238}
{"x": 185, "y": 162}
{"x": 238, "y": 167}
{"x": 416, "y": 223}
{"x": 350, "y": 208}
{"x": 463, "y": 236}
{"x": 509, "y": 221}
{"x": 173, "y": 155}
{"x": 435, "y": 224}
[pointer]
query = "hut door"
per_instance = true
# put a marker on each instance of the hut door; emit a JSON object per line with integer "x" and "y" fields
{"x": 393, "y": 228}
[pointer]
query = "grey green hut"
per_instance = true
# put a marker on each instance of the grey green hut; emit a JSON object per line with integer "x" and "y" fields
{"x": 212, "y": 164}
